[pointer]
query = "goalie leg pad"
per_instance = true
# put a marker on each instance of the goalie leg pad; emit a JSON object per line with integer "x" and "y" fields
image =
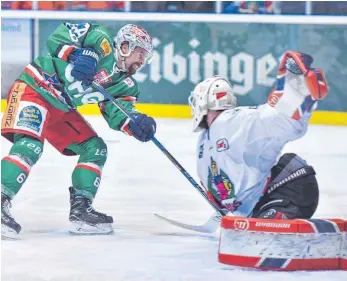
{"x": 286, "y": 245}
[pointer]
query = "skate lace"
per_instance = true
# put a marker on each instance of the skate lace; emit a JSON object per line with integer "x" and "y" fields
{"x": 91, "y": 209}
{"x": 6, "y": 205}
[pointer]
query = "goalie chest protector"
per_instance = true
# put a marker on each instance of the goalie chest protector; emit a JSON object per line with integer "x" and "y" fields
{"x": 314, "y": 244}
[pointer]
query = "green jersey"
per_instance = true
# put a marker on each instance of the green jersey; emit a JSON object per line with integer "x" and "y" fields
{"x": 50, "y": 76}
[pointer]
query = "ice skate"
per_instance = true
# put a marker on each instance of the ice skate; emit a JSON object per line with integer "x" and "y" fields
{"x": 84, "y": 219}
{"x": 9, "y": 227}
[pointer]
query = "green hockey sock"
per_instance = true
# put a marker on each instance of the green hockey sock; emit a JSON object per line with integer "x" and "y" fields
{"x": 86, "y": 176}
{"x": 15, "y": 167}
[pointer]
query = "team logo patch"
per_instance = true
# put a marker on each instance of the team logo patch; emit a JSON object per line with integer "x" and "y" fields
{"x": 129, "y": 82}
{"x": 219, "y": 182}
{"x": 105, "y": 47}
{"x": 51, "y": 79}
{"x": 222, "y": 145}
{"x": 102, "y": 77}
{"x": 77, "y": 31}
{"x": 30, "y": 117}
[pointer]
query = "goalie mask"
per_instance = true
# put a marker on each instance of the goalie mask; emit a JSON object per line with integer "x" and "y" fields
{"x": 134, "y": 36}
{"x": 211, "y": 94}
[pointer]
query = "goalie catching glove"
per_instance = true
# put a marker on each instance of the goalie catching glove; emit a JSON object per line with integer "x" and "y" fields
{"x": 298, "y": 86}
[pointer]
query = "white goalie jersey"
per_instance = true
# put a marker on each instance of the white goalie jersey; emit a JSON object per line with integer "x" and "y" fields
{"x": 236, "y": 154}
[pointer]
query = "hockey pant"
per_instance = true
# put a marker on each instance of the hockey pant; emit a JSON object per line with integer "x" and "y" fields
{"x": 28, "y": 121}
{"x": 292, "y": 193}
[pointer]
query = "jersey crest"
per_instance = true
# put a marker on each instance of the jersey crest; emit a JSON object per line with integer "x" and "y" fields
{"x": 219, "y": 183}
{"x": 51, "y": 78}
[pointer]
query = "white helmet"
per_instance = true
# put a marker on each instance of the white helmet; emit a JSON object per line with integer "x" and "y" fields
{"x": 214, "y": 93}
{"x": 135, "y": 36}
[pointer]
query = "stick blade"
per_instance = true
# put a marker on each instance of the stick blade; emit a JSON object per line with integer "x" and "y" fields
{"x": 211, "y": 226}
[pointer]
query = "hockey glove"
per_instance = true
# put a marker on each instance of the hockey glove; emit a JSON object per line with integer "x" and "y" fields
{"x": 85, "y": 62}
{"x": 143, "y": 128}
{"x": 299, "y": 63}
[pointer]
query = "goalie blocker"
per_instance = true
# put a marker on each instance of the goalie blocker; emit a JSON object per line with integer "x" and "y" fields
{"x": 287, "y": 245}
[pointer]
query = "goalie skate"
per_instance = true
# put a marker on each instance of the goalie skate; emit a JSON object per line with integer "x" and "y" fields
{"x": 84, "y": 219}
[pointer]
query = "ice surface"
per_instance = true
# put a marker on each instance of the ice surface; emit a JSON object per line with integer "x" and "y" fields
{"x": 138, "y": 180}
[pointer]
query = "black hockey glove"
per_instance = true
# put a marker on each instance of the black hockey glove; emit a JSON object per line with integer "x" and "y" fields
{"x": 85, "y": 62}
{"x": 143, "y": 128}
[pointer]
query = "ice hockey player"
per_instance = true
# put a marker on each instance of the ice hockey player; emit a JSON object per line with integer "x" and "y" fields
{"x": 239, "y": 150}
{"x": 42, "y": 106}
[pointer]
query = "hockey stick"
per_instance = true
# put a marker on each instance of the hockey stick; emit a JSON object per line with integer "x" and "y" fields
{"x": 210, "y": 226}
{"x": 163, "y": 149}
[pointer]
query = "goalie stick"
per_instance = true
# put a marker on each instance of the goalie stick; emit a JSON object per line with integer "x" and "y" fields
{"x": 218, "y": 210}
{"x": 210, "y": 226}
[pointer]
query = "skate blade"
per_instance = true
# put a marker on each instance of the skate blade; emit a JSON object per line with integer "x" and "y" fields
{"x": 80, "y": 228}
{"x": 8, "y": 233}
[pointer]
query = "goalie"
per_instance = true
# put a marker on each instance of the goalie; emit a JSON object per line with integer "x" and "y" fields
{"x": 239, "y": 149}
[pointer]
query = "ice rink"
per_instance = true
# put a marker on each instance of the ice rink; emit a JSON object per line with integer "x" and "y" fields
{"x": 138, "y": 181}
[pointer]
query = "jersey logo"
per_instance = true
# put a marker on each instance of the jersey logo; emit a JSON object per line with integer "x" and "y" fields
{"x": 129, "y": 82}
{"x": 30, "y": 118}
{"x": 201, "y": 151}
{"x": 51, "y": 79}
{"x": 222, "y": 144}
{"x": 105, "y": 48}
{"x": 102, "y": 77}
{"x": 221, "y": 182}
{"x": 76, "y": 31}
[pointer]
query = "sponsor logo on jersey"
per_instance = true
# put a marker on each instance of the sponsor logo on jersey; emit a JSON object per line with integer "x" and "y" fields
{"x": 102, "y": 77}
{"x": 105, "y": 47}
{"x": 12, "y": 106}
{"x": 222, "y": 144}
{"x": 201, "y": 151}
{"x": 129, "y": 82}
{"x": 30, "y": 117}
